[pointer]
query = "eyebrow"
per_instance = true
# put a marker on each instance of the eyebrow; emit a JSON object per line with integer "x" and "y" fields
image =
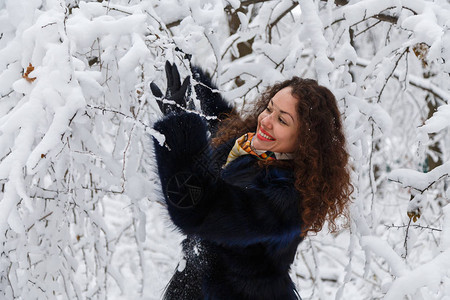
{"x": 282, "y": 111}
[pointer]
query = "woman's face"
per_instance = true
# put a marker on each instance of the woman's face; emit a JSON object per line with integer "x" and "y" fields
{"x": 278, "y": 124}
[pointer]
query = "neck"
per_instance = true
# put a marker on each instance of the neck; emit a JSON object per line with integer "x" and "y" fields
{"x": 278, "y": 155}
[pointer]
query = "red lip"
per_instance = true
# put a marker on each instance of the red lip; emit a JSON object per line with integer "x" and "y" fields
{"x": 266, "y": 133}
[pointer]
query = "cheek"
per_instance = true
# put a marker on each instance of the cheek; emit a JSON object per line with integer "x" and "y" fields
{"x": 290, "y": 137}
{"x": 261, "y": 116}
{"x": 286, "y": 133}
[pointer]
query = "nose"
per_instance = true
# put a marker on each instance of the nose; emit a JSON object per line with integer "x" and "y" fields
{"x": 266, "y": 121}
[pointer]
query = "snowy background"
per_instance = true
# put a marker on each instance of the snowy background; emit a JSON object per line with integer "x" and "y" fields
{"x": 80, "y": 216}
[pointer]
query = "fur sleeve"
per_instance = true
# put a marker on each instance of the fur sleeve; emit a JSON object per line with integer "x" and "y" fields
{"x": 258, "y": 205}
{"x": 185, "y": 137}
{"x": 262, "y": 211}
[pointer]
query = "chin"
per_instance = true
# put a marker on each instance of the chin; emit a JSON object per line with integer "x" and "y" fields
{"x": 262, "y": 145}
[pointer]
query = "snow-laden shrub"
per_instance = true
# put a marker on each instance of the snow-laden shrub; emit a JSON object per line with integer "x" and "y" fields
{"x": 80, "y": 216}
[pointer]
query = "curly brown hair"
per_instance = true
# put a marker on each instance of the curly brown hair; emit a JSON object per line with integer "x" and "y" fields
{"x": 320, "y": 162}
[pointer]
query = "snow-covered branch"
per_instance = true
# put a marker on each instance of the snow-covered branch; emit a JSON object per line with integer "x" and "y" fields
{"x": 80, "y": 205}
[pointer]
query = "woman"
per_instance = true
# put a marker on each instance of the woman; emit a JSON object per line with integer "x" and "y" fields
{"x": 247, "y": 198}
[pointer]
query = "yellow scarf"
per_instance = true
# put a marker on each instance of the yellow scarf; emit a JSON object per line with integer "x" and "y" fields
{"x": 243, "y": 146}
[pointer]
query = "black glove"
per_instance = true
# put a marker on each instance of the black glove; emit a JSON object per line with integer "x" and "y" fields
{"x": 184, "y": 190}
{"x": 175, "y": 98}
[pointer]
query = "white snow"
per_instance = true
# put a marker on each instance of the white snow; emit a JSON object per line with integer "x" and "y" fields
{"x": 81, "y": 210}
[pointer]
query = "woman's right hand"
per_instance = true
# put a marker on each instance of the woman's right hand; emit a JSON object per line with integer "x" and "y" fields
{"x": 176, "y": 95}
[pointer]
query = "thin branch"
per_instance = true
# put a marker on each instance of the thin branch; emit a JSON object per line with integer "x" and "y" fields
{"x": 382, "y": 17}
{"x": 336, "y": 259}
{"x": 229, "y": 8}
{"x": 372, "y": 171}
{"x": 420, "y": 83}
{"x": 6, "y": 95}
{"x": 413, "y": 225}
{"x": 249, "y": 2}
{"x": 229, "y": 46}
{"x": 103, "y": 109}
{"x": 57, "y": 192}
{"x": 309, "y": 271}
{"x": 281, "y": 16}
{"x": 119, "y": 10}
{"x": 127, "y": 147}
{"x": 9, "y": 280}
{"x": 41, "y": 219}
{"x": 433, "y": 89}
{"x": 365, "y": 18}
{"x": 419, "y": 190}
{"x": 386, "y": 18}
{"x": 405, "y": 243}
{"x": 316, "y": 269}
{"x": 368, "y": 28}
{"x": 6, "y": 155}
{"x": 392, "y": 73}
{"x": 173, "y": 24}
{"x": 207, "y": 36}
{"x": 34, "y": 283}
{"x": 340, "y": 2}
{"x": 49, "y": 24}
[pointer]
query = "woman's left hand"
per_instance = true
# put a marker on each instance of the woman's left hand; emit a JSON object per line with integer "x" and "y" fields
{"x": 176, "y": 95}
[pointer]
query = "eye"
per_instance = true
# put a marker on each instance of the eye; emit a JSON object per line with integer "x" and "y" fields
{"x": 282, "y": 121}
{"x": 268, "y": 109}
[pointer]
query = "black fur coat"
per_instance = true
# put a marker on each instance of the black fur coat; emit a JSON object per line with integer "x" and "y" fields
{"x": 242, "y": 221}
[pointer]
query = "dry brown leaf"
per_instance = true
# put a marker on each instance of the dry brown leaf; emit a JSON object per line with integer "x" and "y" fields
{"x": 421, "y": 51}
{"x": 30, "y": 69}
{"x": 414, "y": 215}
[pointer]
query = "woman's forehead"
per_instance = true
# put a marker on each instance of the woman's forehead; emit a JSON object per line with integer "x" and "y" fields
{"x": 285, "y": 101}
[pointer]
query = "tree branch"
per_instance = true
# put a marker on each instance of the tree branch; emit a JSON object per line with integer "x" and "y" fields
{"x": 392, "y": 73}
{"x": 368, "y": 27}
{"x": 228, "y": 8}
{"x": 103, "y": 109}
{"x": 413, "y": 225}
{"x": 419, "y": 190}
{"x": 281, "y": 16}
{"x": 386, "y": 18}
{"x": 7, "y": 94}
{"x": 421, "y": 83}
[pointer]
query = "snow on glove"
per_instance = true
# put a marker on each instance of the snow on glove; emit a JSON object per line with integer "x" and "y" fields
{"x": 175, "y": 98}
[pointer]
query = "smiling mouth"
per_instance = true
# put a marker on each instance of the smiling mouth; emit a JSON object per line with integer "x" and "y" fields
{"x": 263, "y": 135}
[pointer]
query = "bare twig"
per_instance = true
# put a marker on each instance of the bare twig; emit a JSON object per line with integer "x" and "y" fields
{"x": 173, "y": 24}
{"x": 413, "y": 225}
{"x": 371, "y": 171}
{"x": 419, "y": 190}
{"x": 309, "y": 271}
{"x": 127, "y": 147}
{"x": 9, "y": 281}
{"x": 34, "y": 283}
{"x": 7, "y": 94}
{"x": 392, "y": 73}
{"x": 368, "y": 28}
{"x": 278, "y": 19}
{"x": 405, "y": 243}
{"x": 41, "y": 219}
{"x": 229, "y": 46}
{"x": 229, "y": 8}
{"x": 386, "y": 18}
{"x": 104, "y": 110}
{"x": 420, "y": 83}
{"x": 119, "y": 10}
{"x": 49, "y": 24}
{"x": 6, "y": 155}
